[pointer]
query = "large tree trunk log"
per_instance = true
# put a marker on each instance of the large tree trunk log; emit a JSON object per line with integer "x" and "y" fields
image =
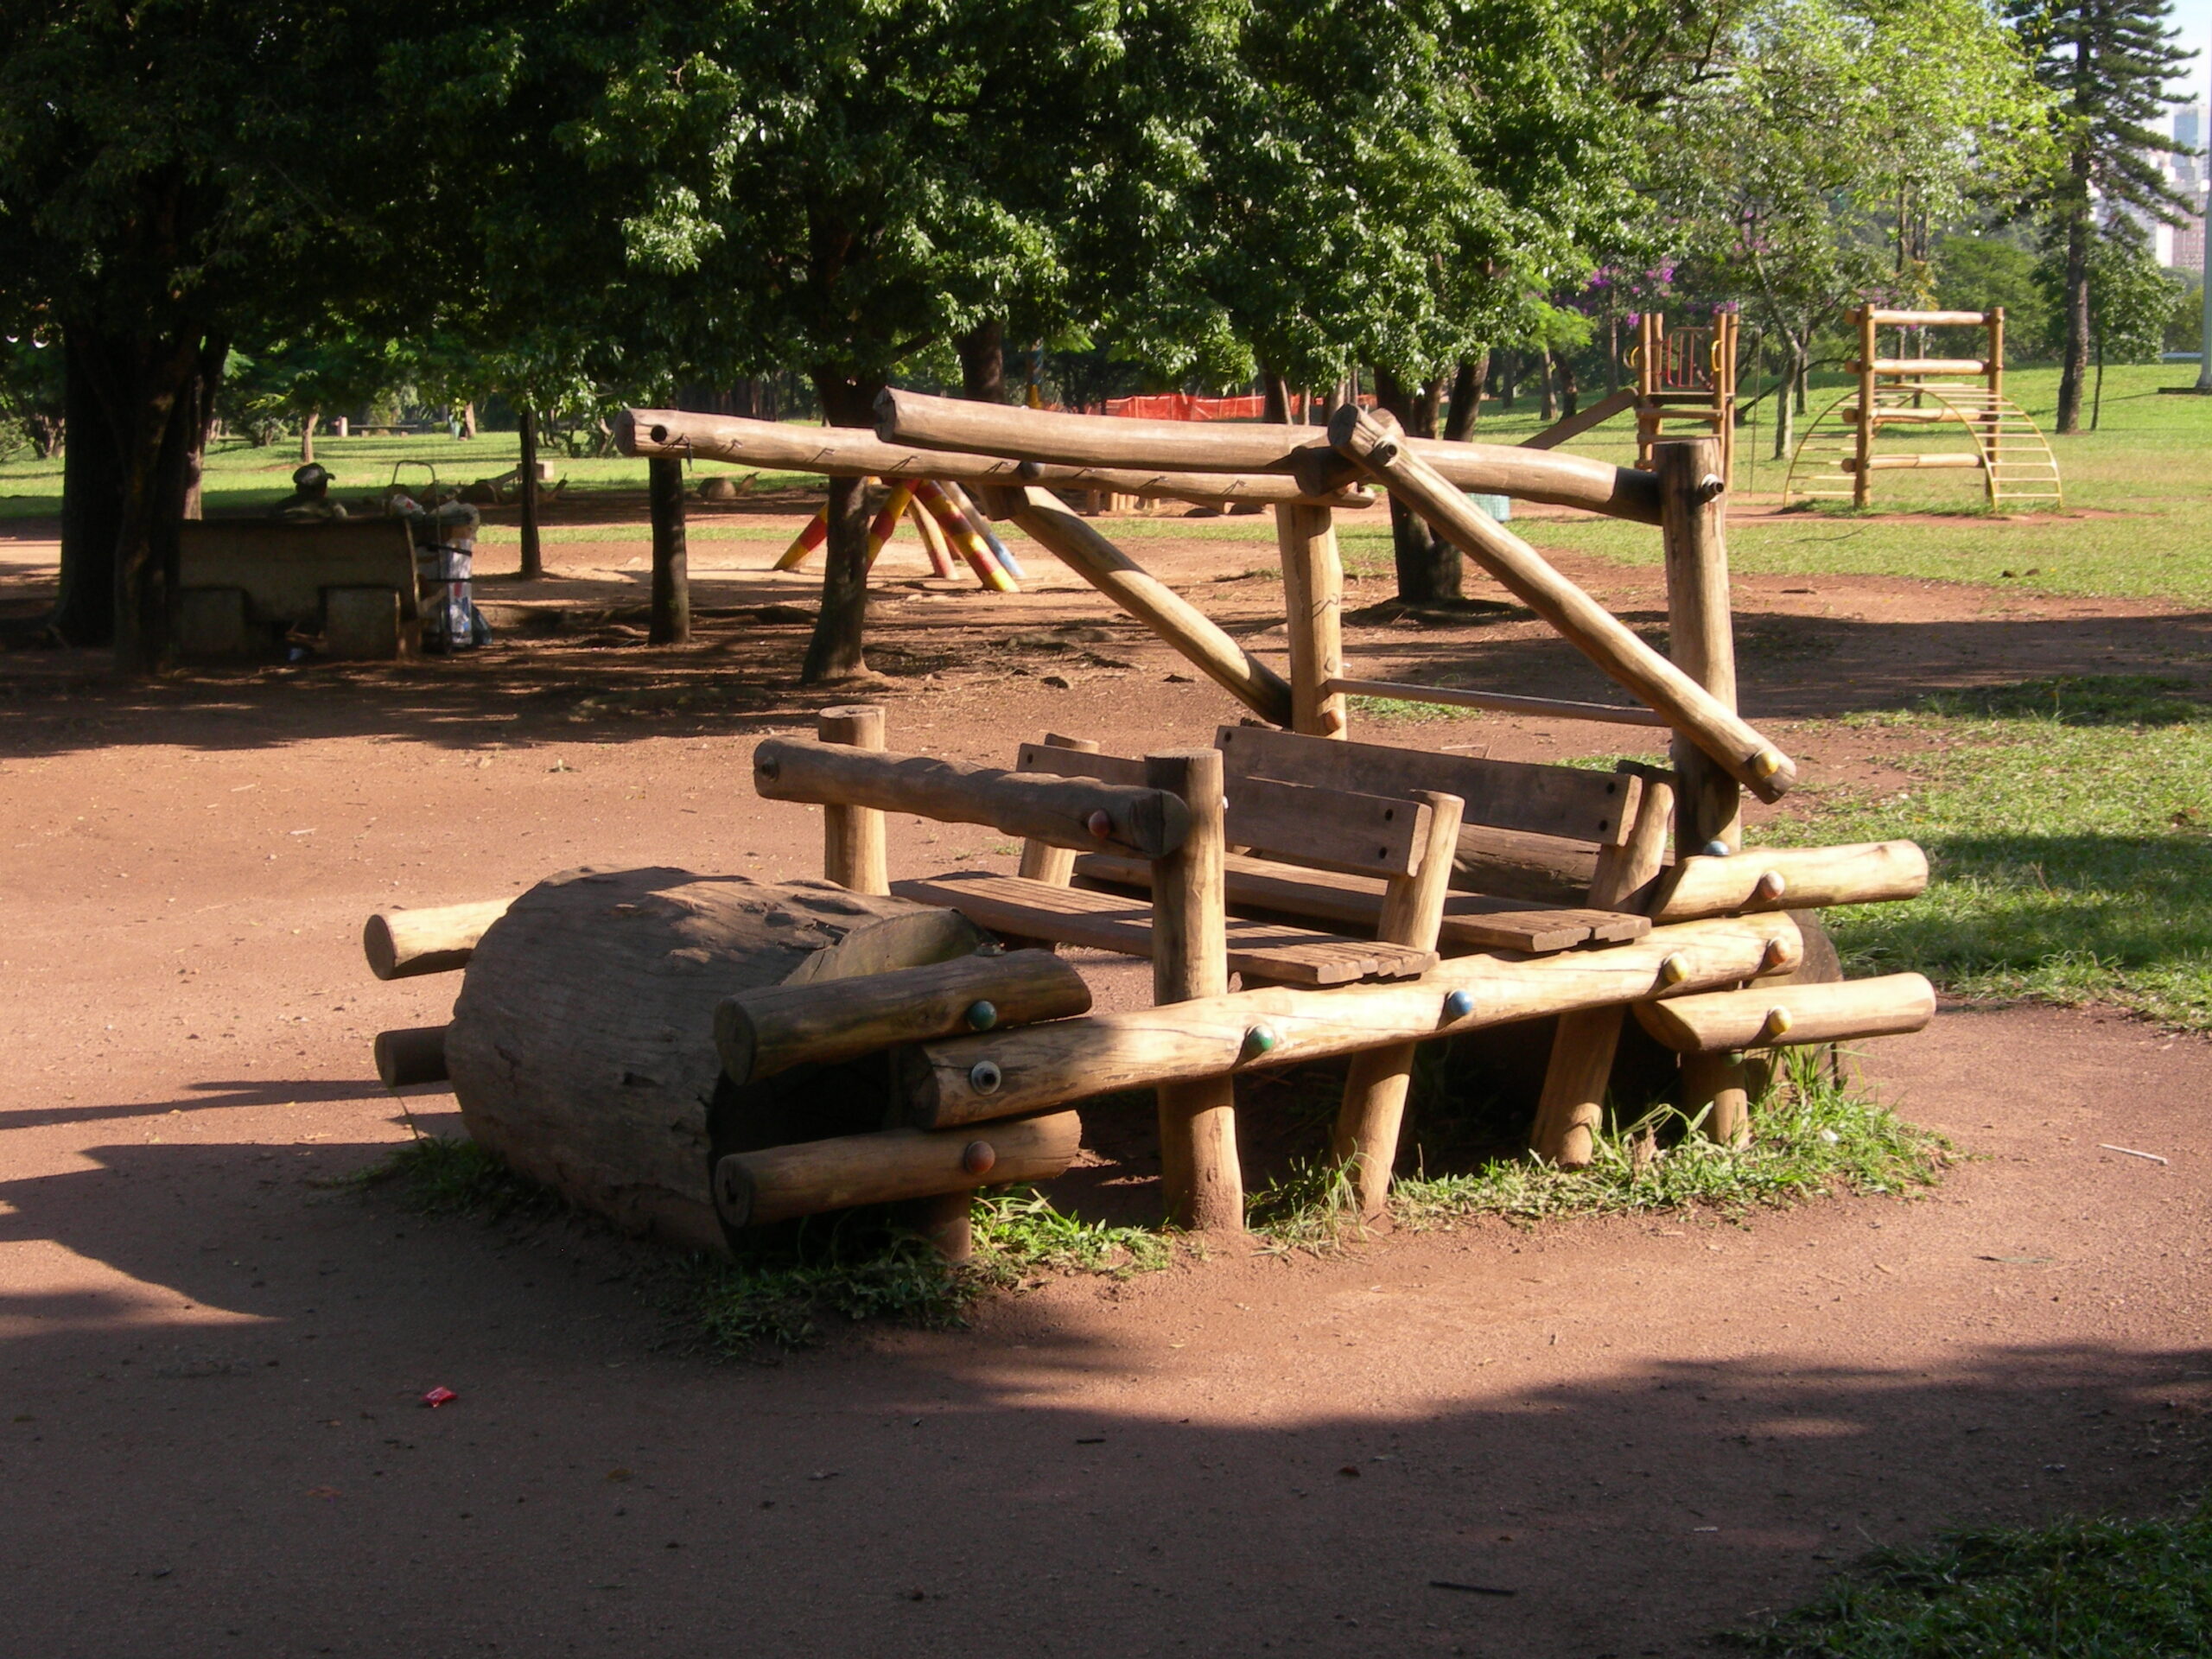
{"x": 581, "y": 1048}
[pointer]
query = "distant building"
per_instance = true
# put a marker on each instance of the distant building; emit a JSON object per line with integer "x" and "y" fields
{"x": 2181, "y": 247}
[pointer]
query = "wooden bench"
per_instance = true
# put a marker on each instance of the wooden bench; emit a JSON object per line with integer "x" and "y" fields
{"x": 244, "y": 583}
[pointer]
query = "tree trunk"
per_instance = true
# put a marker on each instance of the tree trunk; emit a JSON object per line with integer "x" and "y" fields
{"x": 1509, "y": 364}
{"x": 983, "y": 363}
{"x": 91, "y": 505}
{"x": 533, "y": 556}
{"x": 1466, "y": 398}
{"x": 2097, "y": 401}
{"x": 140, "y": 383}
{"x": 212, "y": 358}
{"x": 2075, "y": 362}
{"x": 467, "y": 421}
{"x": 671, "y": 608}
{"x": 1612, "y": 355}
{"x": 1570, "y": 394}
{"x": 306, "y": 436}
{"x": 582, "y": 1049}
{"x": 1547, "y": 387}
{"x": 1428, "y": 567}
{"x": 1275, "y": 395}
{"x": 838, "y": 650}
{"x": 1783, "y": 411}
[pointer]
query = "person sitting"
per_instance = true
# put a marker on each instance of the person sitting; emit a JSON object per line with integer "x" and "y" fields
{"x": 310, "y": 500}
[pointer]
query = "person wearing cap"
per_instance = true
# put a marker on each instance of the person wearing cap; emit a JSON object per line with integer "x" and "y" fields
{"x": 310, "y": 497}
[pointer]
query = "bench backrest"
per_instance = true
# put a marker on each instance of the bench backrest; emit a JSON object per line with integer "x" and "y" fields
{"x": 284, "y": 567}
{"x": 1324, "y": 828}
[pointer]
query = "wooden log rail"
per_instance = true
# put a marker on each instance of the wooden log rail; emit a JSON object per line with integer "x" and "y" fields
{"x": 1245, "y": 449}
{"x": 849, "y": 452}
{"x": 1924, "y": 366}
{"x": 402, "y": 944}
{"x": 1780, "y": 1015}
{"x": 761, "y": 1032}
{"x": 1794, "y": 877}
{"x": 753, "y": 1189}
{"x": 1503, "y": 702}
{"x": 1694, "y": 712}
{"x": 974, "y": 1079}
{"x": 1064, "y": 811}
{"x": 1053, "y": 525}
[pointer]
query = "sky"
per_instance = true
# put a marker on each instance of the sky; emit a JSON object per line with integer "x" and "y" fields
{"x": 2194, "y": 19}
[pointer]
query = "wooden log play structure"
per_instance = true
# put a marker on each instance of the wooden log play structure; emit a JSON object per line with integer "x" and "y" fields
{"x": 1926, "y": 398}
{"x": 697, "y": 1055}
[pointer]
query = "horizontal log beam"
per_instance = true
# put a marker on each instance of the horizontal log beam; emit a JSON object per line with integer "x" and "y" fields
{"x": 416, "y": 1054}
{"x": 1503, "y": 702}
{"x": 1246, "y": 448}
{"x": 1792, "y": 878}
{"x": 847, "y": 451}
{"x": 1913, "y": 463}
{"x": 761, "y": 1032}
{"x": 753, "y": 1189}
{"x": 1076, "y": 812}
{"x": 1885, "y": 319}
{"x": 1054, "y": 526}
{"x": 402, "y": 944}
{"x": 974, "y": 1079}
{"x": 1694, "y": 712}
{"x": 1775, "y": 1016}
{"x": 1922, "y": 365}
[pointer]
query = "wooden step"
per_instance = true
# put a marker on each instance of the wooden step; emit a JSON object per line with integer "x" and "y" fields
{"x": 1472, "y": 921}
{"x": 1103, "y": 921}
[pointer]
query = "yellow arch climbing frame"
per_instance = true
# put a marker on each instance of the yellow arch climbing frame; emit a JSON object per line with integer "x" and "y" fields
{"x": 2008, "y": 450}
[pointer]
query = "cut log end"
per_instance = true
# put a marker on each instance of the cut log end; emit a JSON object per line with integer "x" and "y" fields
{"x": 415, "y": 1055}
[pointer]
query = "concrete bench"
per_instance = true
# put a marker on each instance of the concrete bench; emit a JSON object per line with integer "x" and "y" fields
{"x": 244, "y": 582}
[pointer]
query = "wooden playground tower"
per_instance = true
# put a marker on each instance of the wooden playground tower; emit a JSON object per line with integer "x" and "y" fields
{"x": 697, "y": 1055}
{"x": 1927, "y": 398}
{"x": 1686, "y": 377}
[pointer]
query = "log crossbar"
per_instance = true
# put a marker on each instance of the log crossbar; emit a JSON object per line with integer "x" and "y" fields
{"x": 1049, "y": 437}
{"x": 1064, "y": 811}
{"x": 1501, "y": 702}
{"x": 845, "y": 452}
{"x": 1044, "y": 1066}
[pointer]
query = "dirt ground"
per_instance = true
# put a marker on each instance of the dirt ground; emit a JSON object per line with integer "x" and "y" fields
{"x": 210, "y": 1432}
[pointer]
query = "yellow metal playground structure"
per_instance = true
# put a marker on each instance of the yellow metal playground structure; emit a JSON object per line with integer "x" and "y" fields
{"x": 1930, "y": 399}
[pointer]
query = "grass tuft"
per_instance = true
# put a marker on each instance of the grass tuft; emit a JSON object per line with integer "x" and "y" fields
{"x": 2089, "y": 1589}
{"x": 1812, "y": 1137}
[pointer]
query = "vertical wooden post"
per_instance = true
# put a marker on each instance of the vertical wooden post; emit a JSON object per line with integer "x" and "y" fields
{"x": 852, "y": 836}
{"x": 1572, "y": 1109}
{"x": 1199, "y": 1175}
{"x": 1313, "y": 596}
{"x": 671, "y": 623}
{"x": 1994, "y": 322}
{"x": 1725, "y": 327}
{"x": 1651, "y": 340}
{"x": 533, "y": 556}
{"x": 1692, "y": 519}
{"x": 1041, "y": 861}
{"x": 1862, "y": 477}
{"x": 1374, "y": 1106}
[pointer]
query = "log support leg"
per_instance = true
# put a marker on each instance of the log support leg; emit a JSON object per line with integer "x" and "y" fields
{"x": 1200, "y": 1175}
{"x": 1571, "y": 1112}
{"x": 1040, "y": 860}
{"x": 1314, "y": 599}
{"x": 1716, "y": 1086}
{"x": 1373, "y": 1108}
{"x": 942, "y": 1221}
{"x": 852, "y": 836}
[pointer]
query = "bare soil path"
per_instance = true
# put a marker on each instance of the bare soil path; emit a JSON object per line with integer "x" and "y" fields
{"x": 210, "y": 1436}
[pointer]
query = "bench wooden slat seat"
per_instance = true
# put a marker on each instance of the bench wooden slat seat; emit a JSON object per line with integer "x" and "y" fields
{"x": 1272, "y": 951}
{"x": 1472, "y": 921}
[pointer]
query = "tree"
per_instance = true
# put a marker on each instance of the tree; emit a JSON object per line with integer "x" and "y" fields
{"x": 2131, "y": 299}
{"x": 2107, "y": 63}
{"x": 169, "y": 172}
{"x": 1798, "y": 172}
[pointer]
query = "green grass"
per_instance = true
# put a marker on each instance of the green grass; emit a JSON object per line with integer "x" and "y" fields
{"x": 2068, "y": 826}
{"x": 2078, "y": 1589}
{"x": 1812, "y": 1136}
{"x": 789, "y": 1289}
